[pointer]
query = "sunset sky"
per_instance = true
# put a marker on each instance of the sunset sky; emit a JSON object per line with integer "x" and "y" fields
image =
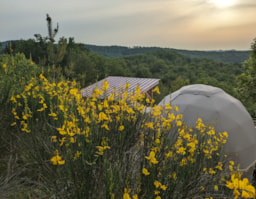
{"x": 181, "y": 24}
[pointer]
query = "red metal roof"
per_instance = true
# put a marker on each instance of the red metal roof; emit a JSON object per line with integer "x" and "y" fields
{"x": 117, "y": 82}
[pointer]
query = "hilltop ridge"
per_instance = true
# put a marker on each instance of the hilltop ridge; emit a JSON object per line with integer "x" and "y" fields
{"x": 115, "y": 51}
{"x": 228, "y": 56}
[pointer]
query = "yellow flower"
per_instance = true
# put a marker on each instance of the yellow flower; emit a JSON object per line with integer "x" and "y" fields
{"x": 236, "y": 193}
{"x": 148, "y": 100}
{"x": 5, "y": 68}
{"x": 62, "y": 108}
{"x": 73, "y": 91}
{"x": 157, "y": 141}
{"x": 101, "y": 149}
{"x": 135, "y": 196}
{"x": 127, "y": 85}
{"x": 121, "y": 128}
{"x": 42, "y": 77}
{"x": 169, "y": 154}
{"x": 211, "y": 171}
{"x": 216, "y": 188}
{"x": 105, "y": 85}
{"x": 72, "y": 140}
{"x": 54, "y": 138}
{"x": 152, "y": 157}
{"x": 62, "y": 141}
{"x": 105, "y": 103}
{"x": 13, "y": 124}
{"x": 61, "y": 162}
{"x": 179, "y": 117}
{"x": 183, "y": 162}
{"x": 4, "y": 65}
{"x": 174, "y": 176}
{"x": 77, "y": 154}
{"x": 176, "y": 108}
{"x": 231, "y": 162}
{"x": 225, "y": 134}
{"x": 57, "y": 160}
{"x": 243, "y": 186}
{"x": 150, "y": 125}
{"x": 40, "y": 110}
{"x": 219, "y": 166}
{"x": 156, "y": 90}
{"x": 52, "y": 114}
{"x": 145, "y": 172}
{"x": 157, "y": 192}
{"x": 163, "y": 187}
{"x": 181, "y": 150}
{"x": 105, "y": 126}
{"x": 178, "y": 123}
{"x": 168, "y": 107}
{"x": 126, "y": 194}
{"x": 245, "y": 194}
{"x": 111, "y": 97}
{"x": 13, "y": 99}
{"x": 157, "y": 184}
{"x": 102, "y": 116}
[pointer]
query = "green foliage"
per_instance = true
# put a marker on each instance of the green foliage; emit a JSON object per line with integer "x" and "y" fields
{"x": 247, "y": 82}
{"x": 15, "y": 72}
{"x": 12, "y": 72}
{"x": 56, "y": 144}
{"x": 231, "y": 56}
{"x": 175, "y": 70}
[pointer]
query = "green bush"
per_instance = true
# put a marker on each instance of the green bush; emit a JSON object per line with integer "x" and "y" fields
{"x": 67, "y": 146}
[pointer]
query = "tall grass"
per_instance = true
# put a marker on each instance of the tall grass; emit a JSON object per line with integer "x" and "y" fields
{"x": 67, "y": 146}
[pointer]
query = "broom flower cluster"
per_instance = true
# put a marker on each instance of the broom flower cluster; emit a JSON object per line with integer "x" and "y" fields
{"x": 100, "y": 131}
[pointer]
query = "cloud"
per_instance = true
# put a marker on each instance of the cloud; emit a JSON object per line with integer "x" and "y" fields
{"x": 144, "y": 22}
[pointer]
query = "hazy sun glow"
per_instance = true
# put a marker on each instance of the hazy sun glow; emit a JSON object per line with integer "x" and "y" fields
{"x": 223, "y": 3}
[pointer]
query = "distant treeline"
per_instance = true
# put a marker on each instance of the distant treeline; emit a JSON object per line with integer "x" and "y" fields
{"x": 79, "y": 62}
{"x": 229, "y": 56}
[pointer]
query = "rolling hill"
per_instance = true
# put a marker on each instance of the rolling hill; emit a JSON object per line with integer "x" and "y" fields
{"x": 231, "y": 56}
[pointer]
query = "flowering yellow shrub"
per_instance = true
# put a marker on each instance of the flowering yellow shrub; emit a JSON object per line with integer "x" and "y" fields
{"x": 117, "y": 143}
{"x": 242, "y": 187}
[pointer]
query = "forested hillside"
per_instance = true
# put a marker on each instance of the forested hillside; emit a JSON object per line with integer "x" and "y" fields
{"x": 175, "y": 70}
{"x": 230, "y": 56}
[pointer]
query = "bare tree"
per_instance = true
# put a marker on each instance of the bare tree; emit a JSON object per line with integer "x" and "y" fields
{"x": 51, "y": 33}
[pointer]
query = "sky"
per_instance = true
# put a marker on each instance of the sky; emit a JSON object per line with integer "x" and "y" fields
{"x": 180, "y": 24}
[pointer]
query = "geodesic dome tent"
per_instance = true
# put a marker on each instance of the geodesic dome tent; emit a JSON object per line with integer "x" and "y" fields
{"x": 219, "y": 109}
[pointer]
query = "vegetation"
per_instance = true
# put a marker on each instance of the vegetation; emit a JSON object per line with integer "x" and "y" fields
{"x": 56, "y": 144}
{"x": 247, "y": 82}
{"x": 174, "y": 70}
{"x": 229, "y": 56}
